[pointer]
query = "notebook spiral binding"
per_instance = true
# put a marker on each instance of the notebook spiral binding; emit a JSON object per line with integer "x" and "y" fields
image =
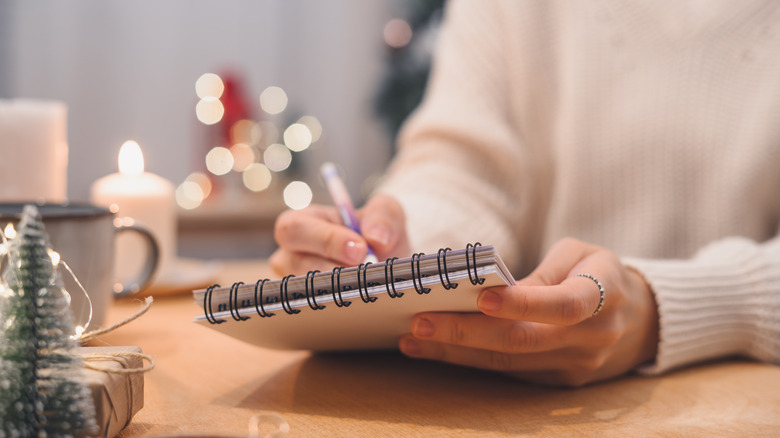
{"x": 233, "y": 300}
{"x": 335, "y": 279}
{"x": 390, "y": 280}
{"x": 310, "y": 296}
{"x": 285, "y": 297}
{"x": 441, "y": 259}
{"x": 475, "y": 280}
{"x": 337, "y": 289}
{"x": 364, "y": 286}
{"x": 260, "y": 310}
{"x": 207, "y": 301}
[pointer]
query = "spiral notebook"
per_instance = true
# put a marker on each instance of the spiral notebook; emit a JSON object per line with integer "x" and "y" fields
{"x": 356, "y": 308}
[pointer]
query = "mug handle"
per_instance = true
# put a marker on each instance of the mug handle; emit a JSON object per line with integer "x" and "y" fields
{"x": 152, "y": 260}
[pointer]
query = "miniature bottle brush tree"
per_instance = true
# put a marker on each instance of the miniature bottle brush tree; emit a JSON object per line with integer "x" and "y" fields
{"x": 42, "y": 393}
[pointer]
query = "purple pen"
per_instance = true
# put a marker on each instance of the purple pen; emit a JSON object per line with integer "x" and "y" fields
{"x": 338, "y": 191}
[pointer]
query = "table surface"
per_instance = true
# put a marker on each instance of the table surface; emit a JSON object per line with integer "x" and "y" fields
{"x": 206, "y": 383}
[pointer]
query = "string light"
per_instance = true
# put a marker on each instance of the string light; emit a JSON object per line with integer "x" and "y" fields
{"x": 273, "y": 100}
{"x": 397, "y": 33}
{"x": 269, "y": 131}
{"x": 189, "y": 195}
{"x": 257, "y": 177}
{"x": 297, "y": 195}
{"x": 314, "y": 125}
{"x": 54, "y": 256}
{"x": 202, "y": 180}
{"x": 10, "y": 231}
{"x": 243, "y": 156}
{"x": 219, "y": 161}
{"x": 258, "y": 147}
{"x": 209, "y": 85}
{"x": 297, "y": 137}
{"x": 209, "y": 110}
{"x": 243, "y": 131}
{"x": 277, "y": 157}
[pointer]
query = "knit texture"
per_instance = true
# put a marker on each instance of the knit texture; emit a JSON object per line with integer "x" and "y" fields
{"x": 651, "y": 128}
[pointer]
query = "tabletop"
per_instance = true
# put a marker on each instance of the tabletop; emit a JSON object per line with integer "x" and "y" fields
{"x": 208, "y": 384}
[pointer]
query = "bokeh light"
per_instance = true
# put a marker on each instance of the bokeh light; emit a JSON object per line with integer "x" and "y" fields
{"x": 269, "y": 131}
{"x": 257, "y": 177}
{"x": 397, "y": 33}
{"x": 277, "y": 157}
{"x": 189, "y": 195}
{"x": 209, "y": 85}
{"x": 203, "y": 181}
{"x": 54, "y": 256}
{"x": 297, "y": 195}
{"x": 314, "y": 125}
{"x": 243, "y": 131}
{"x": 243, "y": 156}
{"x": 219, "y": 161}
{"x": 10, "y": 231}
{"x": 297, "y": 137}
{"x": 273, "y": 100}
{"x": 209, "y": 110}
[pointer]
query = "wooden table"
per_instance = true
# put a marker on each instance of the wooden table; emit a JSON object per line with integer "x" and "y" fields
{"x": 208, "y": 383}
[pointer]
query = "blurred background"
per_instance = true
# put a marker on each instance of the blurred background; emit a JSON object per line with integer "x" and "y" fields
{"x": 235, "y": 103}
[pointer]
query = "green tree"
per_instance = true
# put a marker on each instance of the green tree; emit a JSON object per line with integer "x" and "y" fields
{"x": 42, "y": 393}
{"x": 408, "y": 67}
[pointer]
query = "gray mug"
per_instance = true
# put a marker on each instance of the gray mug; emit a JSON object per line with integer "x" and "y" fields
{"x": 84, "y": 235}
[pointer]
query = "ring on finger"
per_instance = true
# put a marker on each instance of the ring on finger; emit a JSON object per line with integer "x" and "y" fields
{"x": 601, "y": 292}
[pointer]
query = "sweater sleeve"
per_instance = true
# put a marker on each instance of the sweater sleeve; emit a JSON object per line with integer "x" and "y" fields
{"x": 459, "y": 169}
{"x": 725, "y": 301}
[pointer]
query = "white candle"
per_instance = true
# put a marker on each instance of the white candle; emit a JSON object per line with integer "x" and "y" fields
{"x": 146, "y": 198}
{"x": 34, "y": 147}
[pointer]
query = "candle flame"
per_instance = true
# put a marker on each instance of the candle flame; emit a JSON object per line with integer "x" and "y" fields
{"x": 131, "y": 159}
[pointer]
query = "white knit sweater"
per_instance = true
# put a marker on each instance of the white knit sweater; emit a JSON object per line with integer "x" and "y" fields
{"x": 649, "y": 127}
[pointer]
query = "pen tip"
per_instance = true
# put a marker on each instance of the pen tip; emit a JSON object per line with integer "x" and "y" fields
{"x": 371, "y": 258}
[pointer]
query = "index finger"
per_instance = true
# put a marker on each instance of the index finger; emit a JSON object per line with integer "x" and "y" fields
{"x": 318, "y": 230}
{"x": 568, "y": 303}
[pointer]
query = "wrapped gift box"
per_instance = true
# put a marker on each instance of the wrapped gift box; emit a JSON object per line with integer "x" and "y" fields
{"x": 117, "y": 397}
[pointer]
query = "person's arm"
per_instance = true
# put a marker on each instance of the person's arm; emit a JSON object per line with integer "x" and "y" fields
{"x": 725, "y": 301}
{"x": 553, "y": 327}
{"x": 463, "y": 171}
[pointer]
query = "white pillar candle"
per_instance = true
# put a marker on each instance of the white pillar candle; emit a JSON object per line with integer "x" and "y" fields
{"x": 34, "y": 148}
{"x": 146, "y": 198}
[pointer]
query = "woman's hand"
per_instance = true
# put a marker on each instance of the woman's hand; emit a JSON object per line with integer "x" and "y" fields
{"x": 315, "y": 238}
{"x": 543, "y": 329}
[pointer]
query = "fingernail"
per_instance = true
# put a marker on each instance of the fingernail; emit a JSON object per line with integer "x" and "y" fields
{"x": 377, "y": 233}
{"x": 410, "y": 347}
{"x": 490, "y": 301}
{"x": 423, "y": 328}
{"x": 354, "y": 252}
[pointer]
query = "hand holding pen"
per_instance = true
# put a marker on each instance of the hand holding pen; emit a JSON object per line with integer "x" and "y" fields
{"x": 322, "y": 237}
{"x": 342, "y": 201}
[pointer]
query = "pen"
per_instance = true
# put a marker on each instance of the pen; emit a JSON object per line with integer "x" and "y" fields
{"x": 343, "y": 202}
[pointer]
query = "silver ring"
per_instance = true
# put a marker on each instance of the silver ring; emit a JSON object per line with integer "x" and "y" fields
{"x": 601, "y": 292}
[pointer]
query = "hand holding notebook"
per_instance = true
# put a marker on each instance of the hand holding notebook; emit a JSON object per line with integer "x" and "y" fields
{"x": 361, "y": 307}
{"x": 368, "y": 306}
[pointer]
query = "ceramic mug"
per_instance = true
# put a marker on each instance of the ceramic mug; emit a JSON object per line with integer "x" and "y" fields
{"x": 84, "y": 235}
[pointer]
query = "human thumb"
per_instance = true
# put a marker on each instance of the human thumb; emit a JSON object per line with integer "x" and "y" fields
{"x": 383, "y": 225}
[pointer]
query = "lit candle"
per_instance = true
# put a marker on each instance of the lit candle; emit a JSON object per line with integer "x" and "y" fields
{"x": 147, "y": 199}
{"x": 34, "y": 145}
